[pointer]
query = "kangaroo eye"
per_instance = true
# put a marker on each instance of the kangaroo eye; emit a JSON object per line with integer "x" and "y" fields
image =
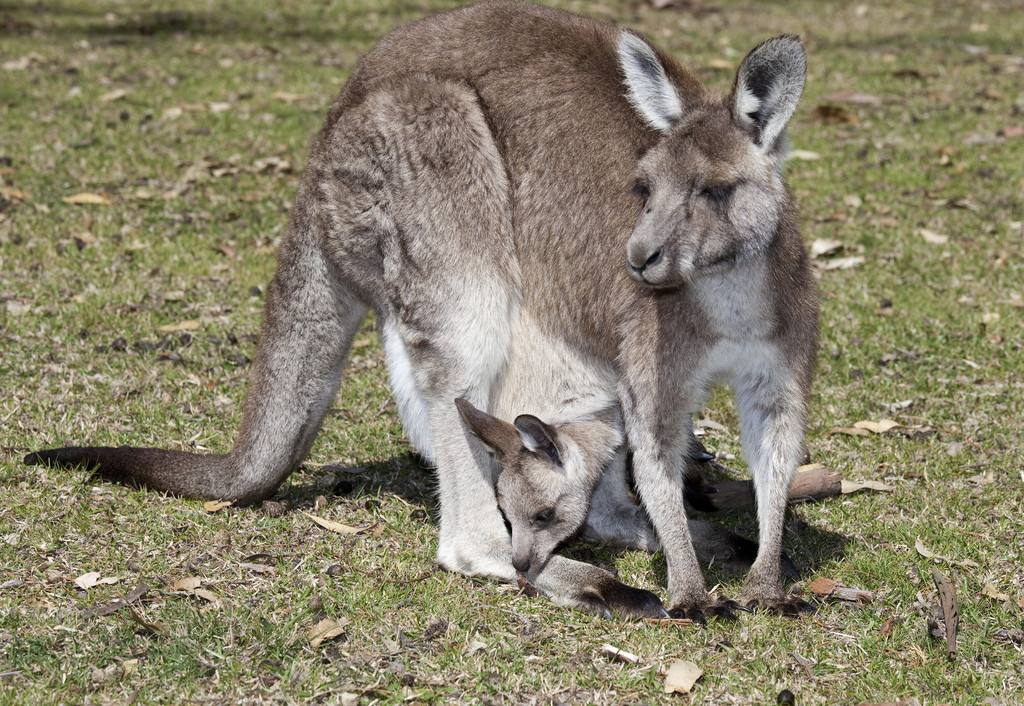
{"x": 642, "y": 190}
{"x": 544, "y": 517}
{"x": 718, "y": 194}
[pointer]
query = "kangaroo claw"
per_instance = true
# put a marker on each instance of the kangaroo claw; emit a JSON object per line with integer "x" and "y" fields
{"x": 719, "y": 608}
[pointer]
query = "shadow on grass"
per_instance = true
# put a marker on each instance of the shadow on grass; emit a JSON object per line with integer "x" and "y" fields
{"x": 408, "y": 478}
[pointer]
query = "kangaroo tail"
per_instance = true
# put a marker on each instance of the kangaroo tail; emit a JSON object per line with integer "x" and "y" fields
{"x": 310, "y": 318}
{"x": 177, "y": 472}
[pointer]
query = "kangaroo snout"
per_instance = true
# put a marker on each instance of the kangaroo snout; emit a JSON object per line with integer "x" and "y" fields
{"x": 521, "y": 564}
{"x": 652, "y": 264}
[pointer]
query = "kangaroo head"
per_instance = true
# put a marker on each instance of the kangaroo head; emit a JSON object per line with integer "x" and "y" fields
{"x": 711, "y": 188}
{"x": 545, "y": 477}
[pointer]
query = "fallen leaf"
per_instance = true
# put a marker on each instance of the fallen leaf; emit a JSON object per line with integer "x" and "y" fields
{"x": 853, "y": 486}
{"x": 334, "y": 526}
{"x": 208, "y": 596}
{"x": 118, "y": 603}
{"x": 803, "y": 155}
{"x": 929, "y": 554}
{"x": 619, "y": 655}
{"x": 681, "y": 676}
{"x": 257, "y": 568}
{"x": 87, "y": 198}
{"x": 209, "y": 505}
{"x": 94, "y": 578}
{"x": 825, "y": 246}
{"x": 475, "y": 646}
{"x": 853, "y": 98}
{"x": 12, "y": 194}
{"x": 326, "y": 629}
{"x": 950, "y": 610}
{"x": 115, "y": 95}
{"x": 932, "y": 237}
{"x": 153, "y": 626}
{"x": 835, "y": 115}
{"x": 287, "y": 97}
{"x": 880, "y": 427}
{"x": 1012, "y": 131}
{"x": 842, "y": 263}
{"x": 219, "y": 107}
{"x": 995, "y": 594}
{"x": 822, "y": 586}
{"x": 986, "y": 477}
{"x": 849, "y": 431}
{"x": 189, "y": 583}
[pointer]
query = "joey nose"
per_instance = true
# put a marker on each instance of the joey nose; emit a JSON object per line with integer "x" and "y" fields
{"x": 521, "y": 564}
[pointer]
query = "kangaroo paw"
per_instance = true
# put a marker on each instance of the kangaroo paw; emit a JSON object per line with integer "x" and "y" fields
{"x": 718, "y": 608}
{"x": 626, "y": 601}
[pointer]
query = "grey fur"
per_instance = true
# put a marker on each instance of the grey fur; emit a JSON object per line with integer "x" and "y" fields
{"x": 476, "y": 170}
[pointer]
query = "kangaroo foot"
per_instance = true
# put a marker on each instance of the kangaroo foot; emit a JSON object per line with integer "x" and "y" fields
{"x": 621, "y": 600}
{"x": 716, "y": 607}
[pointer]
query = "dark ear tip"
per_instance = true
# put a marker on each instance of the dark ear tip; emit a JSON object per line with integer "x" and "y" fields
{"x": 464, "y": 406}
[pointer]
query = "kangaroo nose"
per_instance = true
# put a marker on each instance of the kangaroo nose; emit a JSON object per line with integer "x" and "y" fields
{"x": 653, "y": 259}
{"x": 521, "y": 564}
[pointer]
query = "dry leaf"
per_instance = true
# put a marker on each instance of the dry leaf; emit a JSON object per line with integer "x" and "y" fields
{"x": 189, "y": 583}
{"x": 842, "y": 263}
{"x": 208, "y": 596}
{"x": 853, "y": 98}
{"x": 852, "y": 486}
{"x": 187, "y": 325}
{"x": 219, "y": 107}
{"x": 804, "y": 155}
{"x": 950, "y": 610}
{"x": 94, "y": 578}
{"x": 880, "y": 427}
{"x": 214, "y": 505}
{"x": 475, "y": 646}
{"x": 620, "y": 655}
{"x": 12, "y": 194}
{"x": 326, "y": 629}
{"x": 929, "y": 554}
{"x": 334, "y": 526}
{"x": 849, "y": 431}
{"x": 87, "y": 198}
{"x": 257, "y": 568}
{"x": 825, "y": 246}
{"x": 118, "y": 603}
{"x": 994, "y": 593}
{"x": 932, "y": 237}
{"x": 822, "y": 587}
{"x": 115, "y": 95}
{"x": 681, "y": 676}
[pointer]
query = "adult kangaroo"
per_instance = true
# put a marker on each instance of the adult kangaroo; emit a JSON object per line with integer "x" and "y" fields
{"x": 507, "y": 162}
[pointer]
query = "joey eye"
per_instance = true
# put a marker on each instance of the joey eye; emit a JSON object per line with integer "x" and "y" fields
{"x": 544, "y": 517}
{"x": 718, "y": 194}
{"x": 642, "y": 190}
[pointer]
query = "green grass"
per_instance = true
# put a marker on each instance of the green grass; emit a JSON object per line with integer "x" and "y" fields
{"x": 949, "y": 339}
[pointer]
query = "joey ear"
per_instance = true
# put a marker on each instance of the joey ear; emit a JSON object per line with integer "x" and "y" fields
{"x": 497, "y": 435}
{"x": 538, "y": 437}
{"x": 768, "y": 87}
{"x": 648, "y": 87}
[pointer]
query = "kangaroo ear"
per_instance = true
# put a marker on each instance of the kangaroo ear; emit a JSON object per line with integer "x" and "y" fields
{"x": 500, "y": 437}
{"x": 648, "y": 87}
{"x": 768, "y": 87}
{"x": 538, "y": 437}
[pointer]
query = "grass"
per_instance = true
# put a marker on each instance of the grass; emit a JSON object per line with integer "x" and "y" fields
{"x": 211, "y": 88}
